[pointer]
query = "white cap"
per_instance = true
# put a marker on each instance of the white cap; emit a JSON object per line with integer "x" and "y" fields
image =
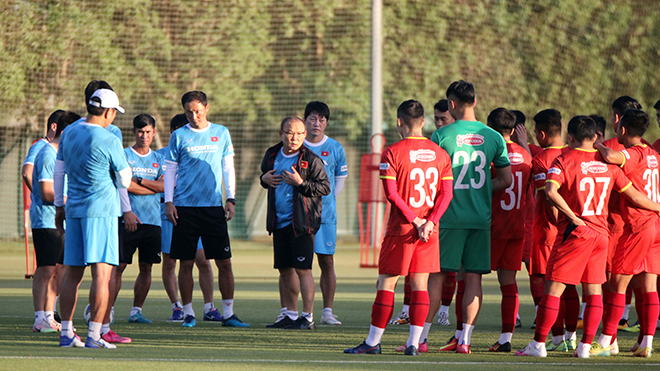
{"x": 108, "y": 100}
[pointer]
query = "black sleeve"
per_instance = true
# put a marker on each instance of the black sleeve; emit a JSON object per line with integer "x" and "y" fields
{"x": 317, "y": 183}
{"x": 264, "y": 169}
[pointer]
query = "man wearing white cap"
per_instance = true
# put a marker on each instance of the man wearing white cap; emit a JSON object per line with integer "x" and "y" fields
{"x": 89, "y": 154}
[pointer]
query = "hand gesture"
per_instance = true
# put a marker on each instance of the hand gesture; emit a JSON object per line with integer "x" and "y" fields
{"x": 521, "y": 133}
{"x": 170, "y": 211}
{"x": 293, "y": 178}
{"x": 271, "y": 179}
{"x": 131, "y": 221}
{"x": 426, "y": 230}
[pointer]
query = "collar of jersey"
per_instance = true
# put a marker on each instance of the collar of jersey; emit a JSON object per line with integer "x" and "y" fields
{"x": 415, "y": 137}
{"x": 90, "y": 124}
{"x": 557, "y": 147}
{"x": 134, "y": 151}
{"x": 289, "y": 156}
{"x": 200, "y": 130}
{"x": 52, "y": 145}
{"x": 310, "y": 144}
{"x": 640, "y": 144}
{"x": 586, "y": 150}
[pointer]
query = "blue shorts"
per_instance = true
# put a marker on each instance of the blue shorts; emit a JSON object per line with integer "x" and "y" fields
{"x": 91, "y": 240}
{"x": 326, "y": 239}
{"x": 166, "y": 237}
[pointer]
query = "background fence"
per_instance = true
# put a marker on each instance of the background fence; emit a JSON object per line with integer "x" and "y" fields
{"x": 259, "y": 61}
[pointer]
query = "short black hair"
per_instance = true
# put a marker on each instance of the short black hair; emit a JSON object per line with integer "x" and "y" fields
{"x": 657, "y": 105}
{"x": 601, "y": 123}
{"x": 143, "y": 120}
{"x": 93, "y": 86}
{"x": 520, "y": 117}
{"x": 635, "y": 121}
{"x": 178, "y": 121}
{"x": 192, "y": 96}
{"x": 582, "y": 127}
{"x": 411, "y": 112}
{"x": 442, "y": 105}
{"x": 64, "y": 120}
{"x": 317, "y": 107}
{"x": 548, "y": 121}
{"x": 462, "y": 90}
{"x": 53, "y": 118}
{"x": 623, "y": 103}
{"x": 288, "y": 120}
{"x": 502, "y": 120}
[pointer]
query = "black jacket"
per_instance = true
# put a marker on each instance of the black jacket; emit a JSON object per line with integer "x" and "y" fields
{"x": 306, "y": 197}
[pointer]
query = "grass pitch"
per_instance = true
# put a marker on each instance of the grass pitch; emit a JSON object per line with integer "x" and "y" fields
{"x": 168, "y": 346}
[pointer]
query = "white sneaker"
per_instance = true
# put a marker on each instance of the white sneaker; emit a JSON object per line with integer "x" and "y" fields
{"x": 401, "y": 319}
{"x": 44, "y": 326}
{"x": 614, "y": 347}
{"x": 100, "y": 343}
{"x": 582, "y": 350}
{"x": 329, "y": 319}
{"x": 532, "y": 351}
{"x": 443, "y": 319}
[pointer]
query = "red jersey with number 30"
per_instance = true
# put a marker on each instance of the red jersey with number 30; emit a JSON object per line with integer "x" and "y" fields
{"x": 585, "y": 182}
{"x": 418, "y": 166}
{"x": 509, "y": 205}
{"x": 641, "y": 166}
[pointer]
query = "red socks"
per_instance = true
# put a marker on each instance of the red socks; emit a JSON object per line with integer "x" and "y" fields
{"x": 592, "y": 316}
{"x": 459, "y": 305}
{"x": 382, "y": 308}
{"x": 419, "y": 308}
{"x": 509, "y": 307}
{"x": 558, "y": 326}
{"x": 615, "y": 304}
{"x": 650, "y": 313}
{"x": 572, "y": 302}
{"x": 448, "y": 289}
{"x": 536, "y": 286}
{"x": 546, "y": 316}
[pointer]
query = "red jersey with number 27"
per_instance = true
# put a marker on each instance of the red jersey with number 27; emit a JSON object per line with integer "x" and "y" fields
{"x": 510, "y": 204}
{"x": 418, "y": 166}
{"x": 585, "y": 182}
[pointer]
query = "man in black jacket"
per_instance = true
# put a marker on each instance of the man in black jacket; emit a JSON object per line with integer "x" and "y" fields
{"x": 295, "y": 178}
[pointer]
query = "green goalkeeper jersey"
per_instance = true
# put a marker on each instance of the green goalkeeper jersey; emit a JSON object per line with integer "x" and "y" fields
{"x": 473, "y": 148}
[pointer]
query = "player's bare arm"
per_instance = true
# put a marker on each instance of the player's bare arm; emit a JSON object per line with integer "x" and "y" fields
{"x": 47, "y": 192}
{"x": 60, "y": 215}
{"x": 26, "y": 173}
{"x": 521, "y": 137}
{"x": 503, "y": 180}
{"x": 170, "y": 211}
{"x": 553, "y": 197}
{"x": 609, "y": 155}
{"x": 640, "y": 199}
{"x": 138, "y": 189}
{"x": 270, "y": 179}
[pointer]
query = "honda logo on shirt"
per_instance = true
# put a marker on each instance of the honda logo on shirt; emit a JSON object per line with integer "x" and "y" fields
{"x": 214, "y": 139}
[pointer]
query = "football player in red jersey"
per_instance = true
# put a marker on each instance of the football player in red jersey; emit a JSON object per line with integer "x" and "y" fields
{"x": 638, "y": 251}
{"x": 578, "y": 185}
{"x": 507, "y": 235}
{"x": 418, "y": 182}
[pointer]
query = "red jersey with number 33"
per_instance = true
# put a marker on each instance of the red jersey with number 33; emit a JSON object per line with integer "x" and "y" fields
{"x": 641, "y": 167}
{"x": 585, "y": 182}
{"x": 510, "y": 204}
{"x": 418, "y": 166}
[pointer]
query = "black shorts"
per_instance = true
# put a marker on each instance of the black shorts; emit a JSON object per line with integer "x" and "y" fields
{"x": 206, "y": 222}
{"x": 291, "y": 251}
{"x": 48, "y": 246}
{"x": 146, "y": 238}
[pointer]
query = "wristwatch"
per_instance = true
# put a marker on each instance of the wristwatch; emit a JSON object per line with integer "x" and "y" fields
{"x": 139, "y": 180}
{"x": 233, "y": 201}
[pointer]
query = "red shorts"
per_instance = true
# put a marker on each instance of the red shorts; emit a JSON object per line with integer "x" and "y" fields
{"x": 579, "y": 256}
{"x": 401, "y": 255}
{"x": 638, "y": 252}
{"x": 612, "y": 242}
{"x": 506, "y": 253}
{"x": 539, "y": 259}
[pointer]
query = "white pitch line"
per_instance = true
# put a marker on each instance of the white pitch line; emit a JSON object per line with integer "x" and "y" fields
{"x": 324, "y": 361}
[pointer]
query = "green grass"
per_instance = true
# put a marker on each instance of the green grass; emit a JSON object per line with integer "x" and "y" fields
{"x": 167, "y": 346}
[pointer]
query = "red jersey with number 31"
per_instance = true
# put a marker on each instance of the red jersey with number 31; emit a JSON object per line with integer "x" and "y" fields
{"x": 509, "y": 205}
{"x": 418, "y": 166}
{"x": 585, "y": 182}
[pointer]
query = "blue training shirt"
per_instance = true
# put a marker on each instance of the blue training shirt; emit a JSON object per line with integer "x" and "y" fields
{"x": 91, "y": 156}
{"x": 150, "y": 167}
{"x": 34, "y": 150}
{"x": 284, "y": 191}
{"x": 200, "y": 154}
{"x": 334, "y": 159}
{"x": 42, "y": 213}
